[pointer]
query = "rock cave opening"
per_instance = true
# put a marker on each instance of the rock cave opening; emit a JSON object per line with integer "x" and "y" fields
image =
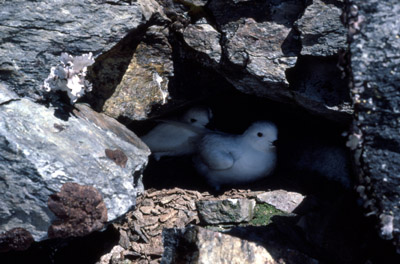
{"x": 312, "y": 160}
{"x": 311, "y": 151}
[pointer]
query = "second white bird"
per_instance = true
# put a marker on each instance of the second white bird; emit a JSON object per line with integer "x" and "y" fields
{"x": 232, "y": 159}
{"x": 177, "y": 138}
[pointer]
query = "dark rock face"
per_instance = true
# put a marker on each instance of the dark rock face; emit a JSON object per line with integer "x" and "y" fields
{"x": 17, "y": 239}
{"x": 35, "y": 33}
{"x": 374, "y": 48}
{"x": 260, "y": 47}
{"x": 321, "y": 31}
{"x": 80, "y": 211}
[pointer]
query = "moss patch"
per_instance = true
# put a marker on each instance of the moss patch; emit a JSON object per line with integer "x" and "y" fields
{"x": 263, "y": 213}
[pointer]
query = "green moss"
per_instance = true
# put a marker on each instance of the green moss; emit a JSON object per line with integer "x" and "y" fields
{"x": 263, "y": 213}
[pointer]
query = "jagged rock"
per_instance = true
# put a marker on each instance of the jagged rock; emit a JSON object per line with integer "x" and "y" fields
{"x": 376, "y": 75}
{"x": 35, "y": 33}
{"x": 43, "y": 148}
{"x": 143, "y": 83}
{"x": 261, "y": 46}
{"x": 15, "y": 239}
{"x": 205, "y": 39}
{"x": 199, "y": 245}
{"x": 321, "y": 30}
{"x": 80, "y": 210}
{"x": 281, "y": 199}
{"x": 226, "y": 211}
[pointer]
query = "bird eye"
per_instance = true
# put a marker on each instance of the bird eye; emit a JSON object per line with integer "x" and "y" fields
{"x": 259, "y": 134}
{"x": 192, "y": 120}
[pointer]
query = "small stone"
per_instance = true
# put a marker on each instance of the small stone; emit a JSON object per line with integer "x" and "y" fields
{"x": 166, "y": 217}
{"x": 281, "y": 200}
{"x": 118, "y": 156}
{"x": 168, "y": 199}
{"x": 146, "y": 209}
{"x": 226, "y": 211}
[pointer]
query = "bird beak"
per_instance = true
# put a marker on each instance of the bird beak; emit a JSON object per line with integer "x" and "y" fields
{"x": 274, "y": 143}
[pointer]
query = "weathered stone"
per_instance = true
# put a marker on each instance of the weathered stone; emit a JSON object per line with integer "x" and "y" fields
{"x": 43, "y": 148}
{"x": 257, "y": 47}
{"x": 205, "y": 39}
{"x": 262, "y": 43}
{"x": 35, "y": 33}
{"x": 322, "y": 33}
{"x": 80, "y": 210}
{"x": 376, "y": 96}
{"x": 15, "y": 239}
{"x": 282, "y": 200}
{"x": 226, "y": 211}
{"x": 199, "y": 245}
{"x": 143, "y": 84}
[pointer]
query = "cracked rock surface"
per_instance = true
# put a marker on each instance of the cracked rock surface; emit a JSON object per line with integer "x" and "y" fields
{"x": 42, "y": 149}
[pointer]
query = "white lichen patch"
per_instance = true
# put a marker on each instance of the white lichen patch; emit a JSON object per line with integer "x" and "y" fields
{"x": 70, "y": 75}
{"x": 386, "y": 226}
{"x": 354, "y": 141}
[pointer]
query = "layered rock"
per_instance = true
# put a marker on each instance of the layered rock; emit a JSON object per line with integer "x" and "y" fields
{"x": 43, "y": 148}
{"x": 34, "y": 34}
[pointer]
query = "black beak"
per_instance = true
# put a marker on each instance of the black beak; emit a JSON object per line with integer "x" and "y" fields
{"x": 275, "y": 143}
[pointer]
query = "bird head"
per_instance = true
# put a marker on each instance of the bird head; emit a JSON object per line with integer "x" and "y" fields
{"x": 198, "y": 116}
{"x": 261, "y": 135}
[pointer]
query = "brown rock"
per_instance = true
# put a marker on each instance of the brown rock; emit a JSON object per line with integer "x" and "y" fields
{"x": 15, "y": 239}
{"x": 118, "y": 156}
{"x": 199, "y": 245}
{"x": 80, "y": 211}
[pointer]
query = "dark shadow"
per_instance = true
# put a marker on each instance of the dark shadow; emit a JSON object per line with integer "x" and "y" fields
{"x": 278, "y": 11}
{"x": 85, "y": 250}
{"x": 331, "y": 230}
{"x": 319, "y": 76}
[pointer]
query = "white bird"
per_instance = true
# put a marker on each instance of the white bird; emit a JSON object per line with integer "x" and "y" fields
{"x": 232, "y": 159}
{"x": 178, "y": 138}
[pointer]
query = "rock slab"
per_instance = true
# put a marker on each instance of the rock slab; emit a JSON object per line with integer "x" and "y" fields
{"x": 226, "y": 211}
{"x": 43, "y": 148}
{"x": 199, "y": 245}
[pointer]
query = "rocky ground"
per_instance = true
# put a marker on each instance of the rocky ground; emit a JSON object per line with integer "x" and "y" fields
{"x": 324, "y": 71}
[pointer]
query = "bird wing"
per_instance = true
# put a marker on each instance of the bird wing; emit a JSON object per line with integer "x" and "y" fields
{"x": 215, "y": 153}
{"x": 165, "y": 137}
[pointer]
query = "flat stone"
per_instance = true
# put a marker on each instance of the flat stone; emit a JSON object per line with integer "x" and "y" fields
{"x": 281, "y": 200}
{"x": 226, "y": 211}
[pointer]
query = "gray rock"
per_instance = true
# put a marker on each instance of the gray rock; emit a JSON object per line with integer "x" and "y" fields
{"x": 205, "y": 39}
{"x": 322, "y": 33}
{"x": 226, "y": 211}
{"x": 257, "y": 47}
{"x": 33, "y": 34}
{"x": 376, "y": 76}
{"x": 40, "y": 152}
{"x": 261, "y": 46}
{"x": 204, "y": 246}
{"x": 281, "y": 199}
